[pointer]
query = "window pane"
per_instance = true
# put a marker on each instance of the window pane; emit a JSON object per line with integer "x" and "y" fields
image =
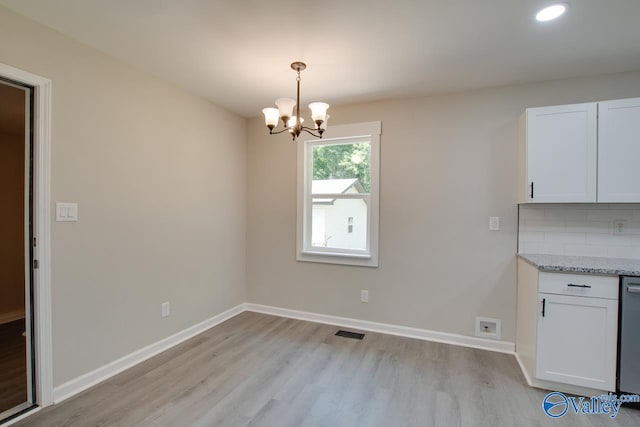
{"x": 339, "y": 223}
{"x": 337, "y": 164}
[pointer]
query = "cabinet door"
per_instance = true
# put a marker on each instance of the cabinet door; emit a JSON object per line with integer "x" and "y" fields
{"x": 619, "y": 150}
{"x": 577, "y": 340}
{"x": 562, "y": 153}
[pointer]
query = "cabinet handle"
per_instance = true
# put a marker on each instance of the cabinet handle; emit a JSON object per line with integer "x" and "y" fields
{"x": 532, "y": 189}
{"x": 633, "y": 289}
{"x": 544, "y": 300}
{"x": 578, "y": 286}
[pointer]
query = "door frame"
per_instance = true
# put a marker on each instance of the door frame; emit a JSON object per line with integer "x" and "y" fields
{"x": 43, "y": 351}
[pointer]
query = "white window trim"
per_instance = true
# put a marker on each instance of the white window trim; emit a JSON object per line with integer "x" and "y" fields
{"x": 368, "y": 258}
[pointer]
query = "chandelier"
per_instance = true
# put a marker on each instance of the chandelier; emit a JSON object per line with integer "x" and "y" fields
{"x": 291, "y": 122}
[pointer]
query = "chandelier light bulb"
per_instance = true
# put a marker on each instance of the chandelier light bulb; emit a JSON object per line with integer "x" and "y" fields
{"x": 271, "y": 116}
{"x": 292, "y": 122}
{"x": 285, "y": 105}
{"x": 318, "y": 111}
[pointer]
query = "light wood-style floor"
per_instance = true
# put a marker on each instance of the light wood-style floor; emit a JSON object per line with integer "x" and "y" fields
{"x": 260, "y": 370}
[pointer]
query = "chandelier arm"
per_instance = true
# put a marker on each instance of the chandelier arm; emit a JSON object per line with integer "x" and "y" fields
{"x": 308, "y": 130}
{"x": 280, "y": 131}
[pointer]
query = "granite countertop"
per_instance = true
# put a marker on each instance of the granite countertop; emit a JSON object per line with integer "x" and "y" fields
{"x": 584, "y": 264}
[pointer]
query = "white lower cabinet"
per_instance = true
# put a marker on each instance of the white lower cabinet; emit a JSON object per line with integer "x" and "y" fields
{"x": 577, "y": 339}
{"x": 567, "y": 329}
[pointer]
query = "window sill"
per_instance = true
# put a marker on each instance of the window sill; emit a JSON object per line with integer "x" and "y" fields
{"x": 337, "y": 254}
{"x": 359, "y": 260}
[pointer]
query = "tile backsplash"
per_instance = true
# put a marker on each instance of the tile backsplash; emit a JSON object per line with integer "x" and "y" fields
{"x": 580, "y": 229}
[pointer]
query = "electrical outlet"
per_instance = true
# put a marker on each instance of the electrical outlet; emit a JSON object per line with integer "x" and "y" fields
{"x": 166, "y": 310}
{"x": 619, "y": 227}
{"x": 364, "y": 295}
{"x": 494, "y": 223}
{"x": 487, "y": 327}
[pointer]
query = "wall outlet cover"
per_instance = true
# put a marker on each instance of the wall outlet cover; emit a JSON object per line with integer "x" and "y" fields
{"x": 619, "y": 227}
{"x": 494, "y": 223}
{"x": 166, "y": 309}
{"x": 488, "y": 327}
{"x": 364, "y": 295}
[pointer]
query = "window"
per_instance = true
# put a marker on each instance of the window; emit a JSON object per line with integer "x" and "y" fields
{"x": 338, "y": 196}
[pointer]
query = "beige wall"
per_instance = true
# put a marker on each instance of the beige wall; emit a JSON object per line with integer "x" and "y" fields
{"x": 166, "y": 187}
{"x": 159, "y": 176}
{"x": 12, "y": 176}
{"x": 447, "y": 164}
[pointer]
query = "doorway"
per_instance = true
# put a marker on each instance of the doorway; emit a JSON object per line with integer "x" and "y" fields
{"x": 17, "y": 379}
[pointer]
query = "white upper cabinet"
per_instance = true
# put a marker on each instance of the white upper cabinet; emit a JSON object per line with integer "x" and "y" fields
{"x": 580, "y": 153}
{"x": 560, "y": 154}
{"x": 619, "y": 150}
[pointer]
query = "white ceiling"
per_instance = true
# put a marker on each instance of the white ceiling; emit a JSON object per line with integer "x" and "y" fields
{"x": 237, "y": 52}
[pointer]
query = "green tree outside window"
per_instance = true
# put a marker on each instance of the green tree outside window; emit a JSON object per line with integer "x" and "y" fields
{"x": 343, "y": 161}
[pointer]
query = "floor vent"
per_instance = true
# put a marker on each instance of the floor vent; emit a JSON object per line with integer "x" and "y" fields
{"x": 348, "y": 334}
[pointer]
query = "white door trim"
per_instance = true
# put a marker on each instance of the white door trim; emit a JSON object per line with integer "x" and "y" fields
{"x": 41, "y": 228}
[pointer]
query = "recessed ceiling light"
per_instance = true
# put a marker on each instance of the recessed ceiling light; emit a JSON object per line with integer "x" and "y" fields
{"x": 551, "y": 12}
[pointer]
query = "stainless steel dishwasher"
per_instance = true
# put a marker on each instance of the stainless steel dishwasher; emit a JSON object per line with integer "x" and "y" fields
{"x": 629, "y": 363}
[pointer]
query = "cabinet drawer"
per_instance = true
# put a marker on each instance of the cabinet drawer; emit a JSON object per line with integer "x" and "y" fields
{"x": 579, "y": 285}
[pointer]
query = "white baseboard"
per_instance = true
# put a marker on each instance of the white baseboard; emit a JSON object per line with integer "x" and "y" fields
{"x": 11, "y": 316}
{"x": 527, "y": 378}
{"x": 553, "y": 386}
{"x": 385, "y": 328}
{"x": 92, "y": 378}
{"x": 83, "y": 382}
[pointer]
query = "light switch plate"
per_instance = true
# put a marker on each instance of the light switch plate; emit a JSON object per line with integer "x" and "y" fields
{"x": 66, "y": 212}
{"x": 494, "y": 223}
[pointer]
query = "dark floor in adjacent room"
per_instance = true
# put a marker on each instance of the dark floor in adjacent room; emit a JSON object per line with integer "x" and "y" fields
{"x": 13, "y": 365}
